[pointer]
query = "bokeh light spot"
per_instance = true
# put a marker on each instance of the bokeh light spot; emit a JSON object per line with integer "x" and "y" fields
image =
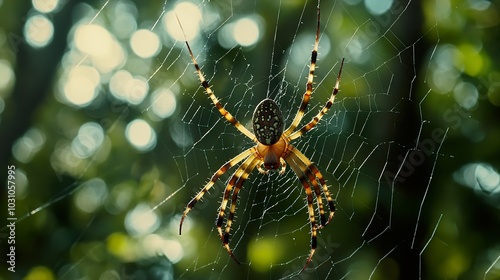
{"x": 246, "y": 32}
{"x": 145, "y": 43}
{"x": 481, "y": 177}
{"x": 81, "y": 86}
{"x": 38, "y": 31}
{"x": 140, "y": 134}
{"x": 262, "y": 252}
{"x": 136, "y": 90}
{"x": 127, "y": 88}
{"x": 163, "y": 103}
{"x": 91, "y": 195}
{"x": 124, "y": 22}
{"x": 118, "y": 244}
{"x": 141, "y": 220}
{"x": 466, "y": 95}
{"x": 189, "y": 16}
{"x": 25, "y": 148}
{"x": 173, "y": 250}
{"x": 93, "y": 39}
{"x": 378, "y": 7}
{"x": 89, "y": 139}
{"x": 40, "y": 273}
{"x": 45, "y": 6}
{"x": 6, "y": 74}
{"x": 469, "y": 59}
{"x": 118, "y": 82}
{"x": 488, "y": 178}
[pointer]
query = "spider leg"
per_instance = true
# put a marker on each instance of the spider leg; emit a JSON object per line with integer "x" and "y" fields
{"x": 312, "y": 172}
{"x": 262, "y": 170}
{"x": 321, "y": 113}
{"x": 309, "y": 84}
{"x": 331, "y": 204}
{"x": 302, "y": 178}
{"x": 227, "y": 192}
{"x": 230, "y": 118}
{"x": 312, "y": 179}
{"x": 250, "y": 164}
{"x": 214, "y": 178}
{"x": 283, "y": 166}
{"x": 265, "y": 171}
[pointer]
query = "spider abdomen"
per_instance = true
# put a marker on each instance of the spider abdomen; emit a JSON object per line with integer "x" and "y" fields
{"x": 267, "y": 122}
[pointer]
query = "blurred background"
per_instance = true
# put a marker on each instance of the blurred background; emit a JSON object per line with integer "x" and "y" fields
{"x": 110, "y": 135}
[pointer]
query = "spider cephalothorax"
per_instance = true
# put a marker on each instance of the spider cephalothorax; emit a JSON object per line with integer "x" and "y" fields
{"x": 272, "y": 150}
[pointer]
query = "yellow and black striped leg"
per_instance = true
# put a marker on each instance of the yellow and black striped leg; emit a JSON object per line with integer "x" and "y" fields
{"x": 240, "y": 180}
{"x": 331, "y": 204}
{"x": 302, "y": 177}
{"x": 227, "y": 192}
{"x": 313, "y": 172}
{"x": 321, "y": 113}
{"x": 216, "y": 101}
{"x": 309, "y": 84}
{"x": 214, "y": 178}
{"x": 312, "y": 179}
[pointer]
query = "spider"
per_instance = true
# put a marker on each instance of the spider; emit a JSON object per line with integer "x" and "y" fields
{"x": 272, "y": 151}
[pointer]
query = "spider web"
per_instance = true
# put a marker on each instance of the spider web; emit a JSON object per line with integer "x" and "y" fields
{"x": 363, "y": 147}
{"x": 380, "y": 149}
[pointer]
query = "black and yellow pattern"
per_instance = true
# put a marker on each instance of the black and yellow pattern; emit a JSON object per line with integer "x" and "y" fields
{"x": 216, "y": 101}
{"x": 309, "y": 85}
{"x": 272, "y": 151}
{"x": 323, "y": 111}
